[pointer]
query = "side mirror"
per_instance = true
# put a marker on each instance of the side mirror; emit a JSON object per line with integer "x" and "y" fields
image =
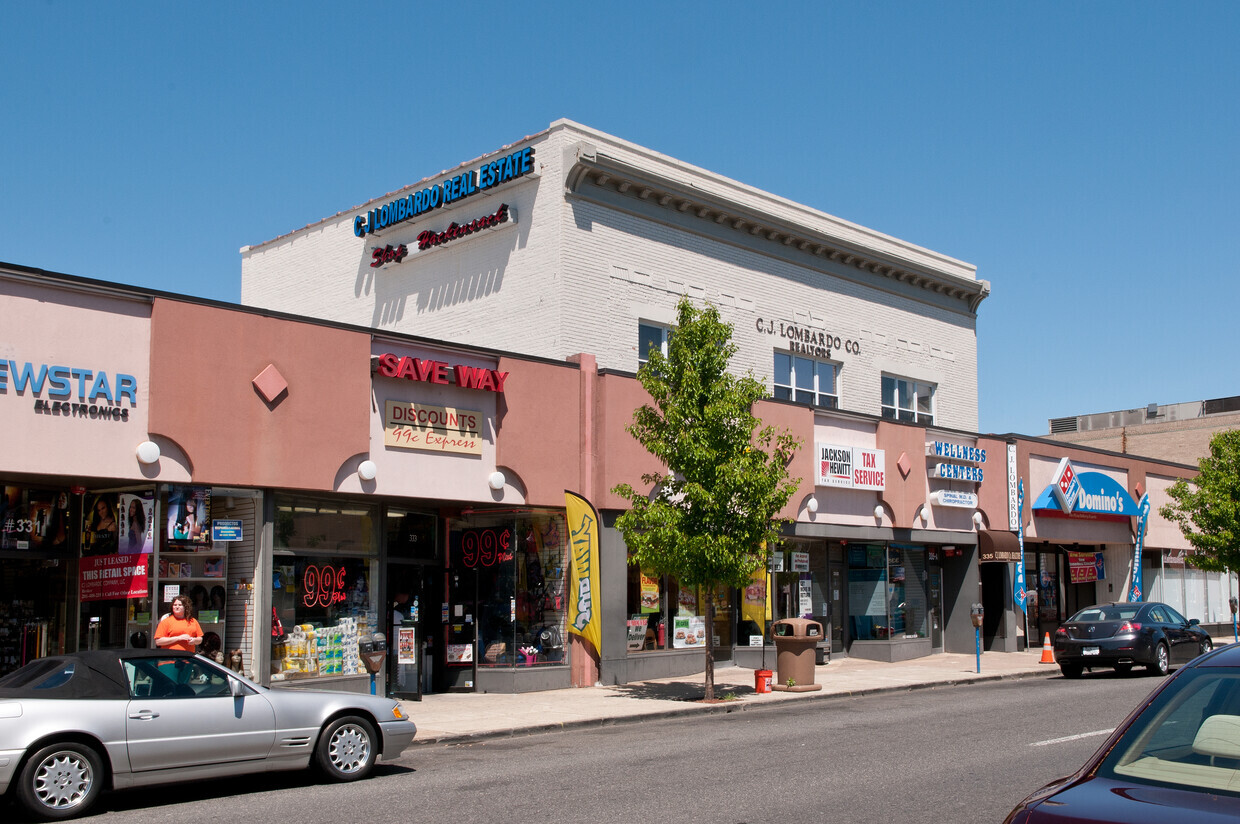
{"x": 236, "y": 688}
{"x": 1192, "y": 622}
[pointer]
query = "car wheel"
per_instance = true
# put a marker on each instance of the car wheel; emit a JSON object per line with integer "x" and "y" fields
{"x": 1123, "y": 669}
{"x": 1070, "y": 670}
{"x": 346, "y": 750}
{"x": 1162, "y": 660}
{"x": 1206, "y": 646}
{"x": 61, "y": 781}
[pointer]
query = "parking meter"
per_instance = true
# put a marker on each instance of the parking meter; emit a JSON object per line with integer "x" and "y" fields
{"x": 1235, "y": 605}
{"x": 373, "y": 652}
{"x": 977, "y": 613}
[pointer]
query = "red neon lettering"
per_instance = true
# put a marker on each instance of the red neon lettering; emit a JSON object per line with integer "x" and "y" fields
{"x": 323, "y": 586}
{"x": 485, "y": 547}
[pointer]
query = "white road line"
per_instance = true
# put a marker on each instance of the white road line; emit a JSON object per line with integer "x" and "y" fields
{"x": 1076, "y": 737}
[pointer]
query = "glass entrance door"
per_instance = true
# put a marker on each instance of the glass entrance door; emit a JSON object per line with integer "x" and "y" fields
{"x": 934, "y": 569}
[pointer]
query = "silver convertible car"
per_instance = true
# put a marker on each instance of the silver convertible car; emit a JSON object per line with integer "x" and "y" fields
{"x": 74, "y": 725}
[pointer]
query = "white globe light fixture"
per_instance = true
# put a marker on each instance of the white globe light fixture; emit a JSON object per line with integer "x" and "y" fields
{"x": 496, "y": 480}
{"x": 977, "y": 518}
{"x": 367, "y": 470}
{"x": 878, "y": 512}
{"x": 812, "y": 506}
{"x": 147, "y": 452}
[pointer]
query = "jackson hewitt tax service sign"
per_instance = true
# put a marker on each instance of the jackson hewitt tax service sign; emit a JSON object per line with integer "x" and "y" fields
{"x": 850, "y": 467}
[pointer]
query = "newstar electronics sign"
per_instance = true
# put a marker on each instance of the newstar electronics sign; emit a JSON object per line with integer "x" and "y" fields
{"x": 70, "y": 391}
{"x": 487, "y": 176}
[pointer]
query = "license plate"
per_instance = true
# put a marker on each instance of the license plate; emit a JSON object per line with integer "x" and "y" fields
{"x": 1089, "y": 651}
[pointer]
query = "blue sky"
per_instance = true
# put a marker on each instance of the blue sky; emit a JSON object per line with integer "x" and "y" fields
{"x": 1084, "y": 156}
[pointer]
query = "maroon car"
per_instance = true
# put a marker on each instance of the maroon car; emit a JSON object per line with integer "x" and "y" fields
{"x": 1175, "y": 758}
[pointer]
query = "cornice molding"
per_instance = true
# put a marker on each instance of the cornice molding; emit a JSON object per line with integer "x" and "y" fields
{"x": 601, "y": 179}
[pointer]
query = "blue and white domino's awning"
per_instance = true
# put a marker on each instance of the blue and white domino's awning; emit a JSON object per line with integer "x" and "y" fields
{"x": 1084, "y": 495}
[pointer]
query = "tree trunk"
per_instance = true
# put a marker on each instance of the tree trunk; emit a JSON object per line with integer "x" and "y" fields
{"x": 710, "y": 643}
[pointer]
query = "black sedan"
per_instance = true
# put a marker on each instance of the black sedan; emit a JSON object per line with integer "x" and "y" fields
{"x": 1119, "y": 635}
{"x": 1175, "y": 758}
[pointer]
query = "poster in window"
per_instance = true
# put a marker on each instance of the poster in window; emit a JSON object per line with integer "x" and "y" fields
{"x": 101, "y": 528}
{"x": 137, "y": 513}
{"x": 687, "y": 599}
{"x": 688, "y": 631}
{"x": 649, "y": 593}
{"x": 189, "y": 517}
{"x": 52, "y": 530}
{"x": 805, "y": 599}
{"x": 406, "y": 645}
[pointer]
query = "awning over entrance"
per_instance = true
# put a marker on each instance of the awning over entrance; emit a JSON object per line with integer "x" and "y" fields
{"x": 995, "y": 546}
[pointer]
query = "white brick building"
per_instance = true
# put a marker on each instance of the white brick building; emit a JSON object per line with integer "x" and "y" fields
{"x": 601, "y": 237}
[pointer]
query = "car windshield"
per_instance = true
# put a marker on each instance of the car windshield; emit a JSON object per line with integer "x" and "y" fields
{"x": 1119, "y": 612}
{"x": 1188, "y": 737}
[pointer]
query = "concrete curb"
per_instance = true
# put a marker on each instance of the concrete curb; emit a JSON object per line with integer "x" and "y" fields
{"x": 692, "y": 708}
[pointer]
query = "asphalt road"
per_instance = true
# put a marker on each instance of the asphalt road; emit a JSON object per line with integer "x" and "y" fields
{"x": 957, "y": 754}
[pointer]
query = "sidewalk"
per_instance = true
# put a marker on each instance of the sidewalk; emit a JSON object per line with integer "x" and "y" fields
{"x": 456, "y": 717}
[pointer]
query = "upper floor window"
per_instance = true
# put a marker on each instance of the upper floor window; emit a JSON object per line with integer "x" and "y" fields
{"x": 806, "y": 380}
{"x": 908, "y": 400}
{"x": 651, "y": 336}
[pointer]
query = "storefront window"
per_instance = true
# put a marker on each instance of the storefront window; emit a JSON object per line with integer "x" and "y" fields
{"x": 908, "y": 598}
{"x": 507, "y": 579}
{"x": 867, "y": 591}
{"x": 1048, "y": 587}
{"x": 323, "y": 598}
{"x": 662, "y": 614}
{"x": 38, "y": 563}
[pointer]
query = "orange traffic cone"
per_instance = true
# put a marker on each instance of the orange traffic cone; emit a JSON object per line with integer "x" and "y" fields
{"x": 1048, "y": 654}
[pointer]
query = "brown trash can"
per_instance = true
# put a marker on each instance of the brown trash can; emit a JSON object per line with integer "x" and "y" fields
{"x": 796, "y": 640}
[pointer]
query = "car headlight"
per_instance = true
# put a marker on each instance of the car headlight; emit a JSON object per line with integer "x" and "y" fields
{"x": 398, "y": 713}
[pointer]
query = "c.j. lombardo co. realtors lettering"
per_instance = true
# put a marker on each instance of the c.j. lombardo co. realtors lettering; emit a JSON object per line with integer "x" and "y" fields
{"x": 486, "y": 176}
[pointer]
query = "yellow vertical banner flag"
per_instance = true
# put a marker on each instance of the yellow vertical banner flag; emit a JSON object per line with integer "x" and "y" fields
{"x": 583, "y": 595}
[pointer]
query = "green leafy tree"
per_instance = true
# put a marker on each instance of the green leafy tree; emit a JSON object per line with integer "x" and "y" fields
{"x": 709, "y": 518}
{"x": 1207, "y": 508}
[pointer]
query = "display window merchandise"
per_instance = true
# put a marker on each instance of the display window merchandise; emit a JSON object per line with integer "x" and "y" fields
{"x": 322, "y": 597}
{"x": 507, "y": 605}
{"x": 664, "y": 614}
{"x": 39, "y": 539}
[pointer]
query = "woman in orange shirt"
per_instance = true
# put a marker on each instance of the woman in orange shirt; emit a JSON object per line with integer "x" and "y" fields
{"x": 180, "y": 630}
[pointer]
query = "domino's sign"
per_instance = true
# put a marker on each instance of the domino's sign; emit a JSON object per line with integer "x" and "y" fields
{"x": 1088, "y": 495}
{"x": 1064, "y": 486}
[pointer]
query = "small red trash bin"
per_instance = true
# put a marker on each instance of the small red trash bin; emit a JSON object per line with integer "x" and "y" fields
{"x": 762, "y": 680}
